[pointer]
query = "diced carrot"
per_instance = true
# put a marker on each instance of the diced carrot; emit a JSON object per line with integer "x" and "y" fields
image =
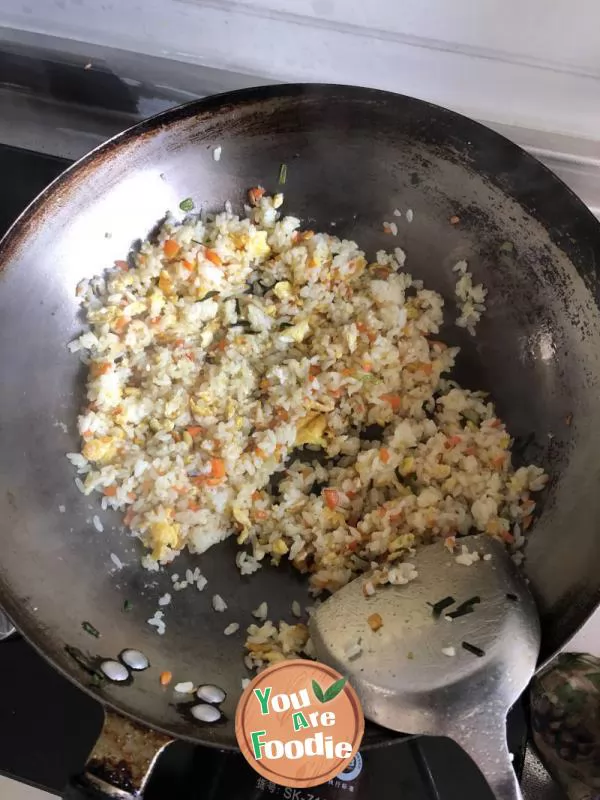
{"x": 498, "y": 462}
{"x": 393, "y": 399}
{"x": 347, "y": 372}
{"x": 124, "y": 265}
{"x": 165, "y": 678}
{"x": 100, "y": 368}
{"x": 382, "y": 273}
{"x": 506, "y": 536}
{"x": 213, "y": 481}
{"x": 426, "y": 368}
{"x": 213, "y": 257}
{"x": 261, "y": 453}
{"x": 452, "y": 441}
{"x": 375, "y": 621}
{"x": 260, "y": 514}
{"x": 336, "y": 392}
{"x": 332, "y": 498}
{"x": 450, "y": 543}
{"x": 222, "y": 344}
{"x": 384, "y": 455}
{"x": 495, "y": 423}
{"x": 179, "y": 342}
{"x": 361, "y": 326}
{"x": 255, "y": 194}
{"x": 256, "y": 496}
{"x": 170, "y": 248}
{"x": 314, "y": 371}
{"x": 110, "y": 491}
{"x": 366, "y": 366}
{"x": 181, "y": 489}
{"x": 120, "y": 324}
{"x": 194, "y": 430}
{"x": 187, "y": 265}
{"x": 353, "y": 546}
{"x": 469, "y": 451}
{"x": 193, "y": 506}
{"x": 217, "y": 468}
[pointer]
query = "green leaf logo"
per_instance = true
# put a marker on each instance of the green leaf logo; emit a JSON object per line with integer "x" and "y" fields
{"x": 330, "y": 693}
{"x": 335, "y": 689}
{"x": 318, "y": 692}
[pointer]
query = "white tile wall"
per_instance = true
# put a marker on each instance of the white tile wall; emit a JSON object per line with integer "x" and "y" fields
{"x": 12, "y": 790}
{"x": 534, "y": 64}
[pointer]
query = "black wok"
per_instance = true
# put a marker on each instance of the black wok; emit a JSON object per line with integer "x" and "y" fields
{"x": 352, "y": 155}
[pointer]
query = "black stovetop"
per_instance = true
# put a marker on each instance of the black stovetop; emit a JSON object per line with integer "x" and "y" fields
{"x": 48, "y": 726}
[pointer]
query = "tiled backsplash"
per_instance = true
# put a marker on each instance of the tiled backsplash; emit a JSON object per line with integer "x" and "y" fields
{"x": 534, "y": 65}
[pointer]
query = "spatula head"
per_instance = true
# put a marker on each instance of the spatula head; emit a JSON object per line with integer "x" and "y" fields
{"x": 425, "y": 666}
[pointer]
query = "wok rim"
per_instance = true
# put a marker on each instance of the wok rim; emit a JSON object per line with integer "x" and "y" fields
{"x": 224, "y": 104}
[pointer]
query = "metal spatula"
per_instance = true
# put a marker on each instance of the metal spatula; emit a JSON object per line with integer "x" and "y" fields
{"x": 451, "y": 651}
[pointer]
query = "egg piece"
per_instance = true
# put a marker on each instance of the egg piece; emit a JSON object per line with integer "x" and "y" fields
{"x": 311, "y": 429}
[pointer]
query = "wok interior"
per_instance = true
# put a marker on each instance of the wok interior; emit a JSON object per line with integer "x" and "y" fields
{"x": 352, "y": 157}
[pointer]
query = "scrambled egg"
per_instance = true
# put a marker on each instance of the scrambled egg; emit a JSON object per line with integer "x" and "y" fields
{"x": 283, "y": 290}
{"x": 311, "y": 429}
{"x": 296, "y": 333}
{"x": 101, "y": 450}
{"x": 257, "y": 246}
{"x": 161, "y": 536}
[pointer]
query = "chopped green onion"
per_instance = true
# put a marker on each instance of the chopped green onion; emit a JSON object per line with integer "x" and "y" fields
{"x": 187, "y": 204}
{"x": 283, "y": 173}
{"x": 465, "y": 608}
{"x": 89, "y": 628}
{"x": 127, "y": 605}
{"x": 208, "y": 296}
{"x": 441, "y": 605}
{"x": 472, "y": 648}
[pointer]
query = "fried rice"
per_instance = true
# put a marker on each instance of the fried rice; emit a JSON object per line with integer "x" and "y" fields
{"x": 250, "y": 378}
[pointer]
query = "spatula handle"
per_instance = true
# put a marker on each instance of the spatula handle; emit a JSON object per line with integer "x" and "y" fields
{"x": 484, "y": 739}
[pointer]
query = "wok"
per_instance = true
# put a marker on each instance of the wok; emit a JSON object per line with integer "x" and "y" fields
{"x": 352, "y": 155}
